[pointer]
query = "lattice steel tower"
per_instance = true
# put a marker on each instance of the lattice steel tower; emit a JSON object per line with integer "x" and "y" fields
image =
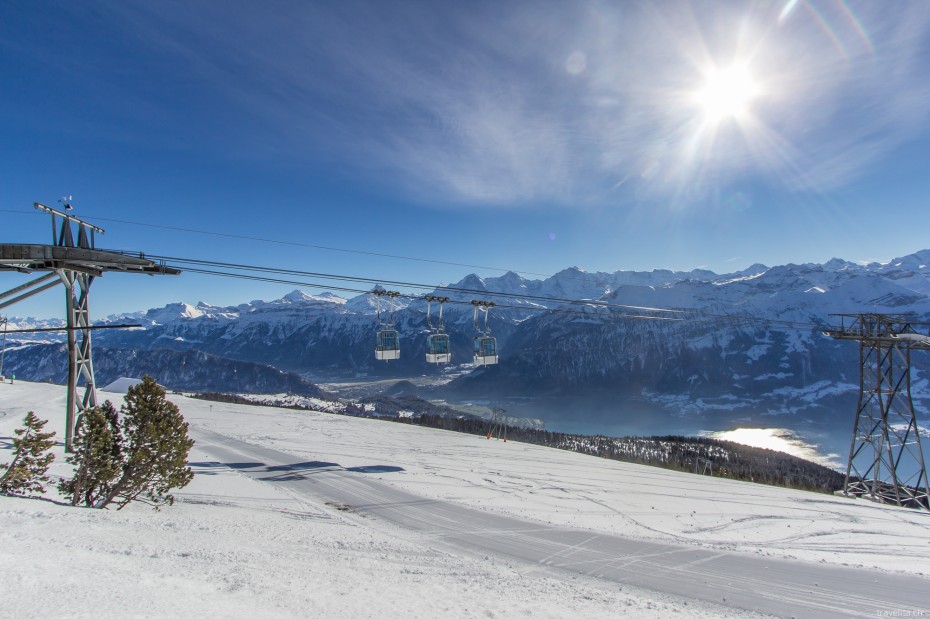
{"x": 886, "y": 461}
{"x": 74, "y": 263}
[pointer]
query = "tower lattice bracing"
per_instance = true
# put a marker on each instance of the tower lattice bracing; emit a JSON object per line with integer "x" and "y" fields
{"x": 886, "y": 461}
{"x": 80, "y": 358}
{"x": 77, "y": 304}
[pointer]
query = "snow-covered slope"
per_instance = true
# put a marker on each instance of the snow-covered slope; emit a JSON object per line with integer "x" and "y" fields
{"x": 236, "y": 547}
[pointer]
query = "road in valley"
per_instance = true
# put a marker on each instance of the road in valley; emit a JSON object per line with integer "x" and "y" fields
{"x": 776, "y": 586}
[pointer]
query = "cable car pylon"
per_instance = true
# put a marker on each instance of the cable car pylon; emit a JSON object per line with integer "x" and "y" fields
{"x": 886, "y": 461}
{"x": 485, "y": 345}
{"x": 437, "y": 342}
{"x": 76, "y": 263}
{"x": 387, "y": 346}
{"x": 498, "y": 424}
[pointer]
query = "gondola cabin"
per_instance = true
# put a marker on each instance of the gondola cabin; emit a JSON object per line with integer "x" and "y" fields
{"x": 485, "y": 350}
{"x": 437, "y": 348}
{"x": 388, "y": 345}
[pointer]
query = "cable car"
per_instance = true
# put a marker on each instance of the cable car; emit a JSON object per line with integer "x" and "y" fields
{"x": 437, "y": 348}
{"x": 485, "y": 345}
{"x": 437, "y": 342}
{"x": 485, "y": 350}
{"x": 387, "y": 346}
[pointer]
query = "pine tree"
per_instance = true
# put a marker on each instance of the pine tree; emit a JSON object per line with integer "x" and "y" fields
{"x": 155, "y": 448}
{"x": 97, "y": 456}
{"x": 27, "y": 472}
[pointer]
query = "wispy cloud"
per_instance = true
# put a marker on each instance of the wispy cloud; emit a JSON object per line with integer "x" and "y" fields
{"x": 563, "y": 103}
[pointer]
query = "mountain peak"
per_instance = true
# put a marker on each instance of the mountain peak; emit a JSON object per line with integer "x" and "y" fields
{"x": 472, "y": 282}
{"x": 297, "y": 296}
{"x": 508, "y": 282}
{"x": 172, "y": 312}
{"x": 837, "y": 264}
{"x": 570, "y": 272}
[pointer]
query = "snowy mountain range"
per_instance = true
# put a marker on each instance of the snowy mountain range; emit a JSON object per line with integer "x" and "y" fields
{"x": 748, "y": 343}
{"x": 187, "y": 370}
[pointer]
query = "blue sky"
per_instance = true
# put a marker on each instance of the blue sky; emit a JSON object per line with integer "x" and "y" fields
{"x": 530, "y": 136}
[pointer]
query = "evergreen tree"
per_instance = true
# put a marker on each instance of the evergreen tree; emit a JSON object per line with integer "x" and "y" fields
{"x": 97, "y": 456}
{"x": 27, "y": 472}
{"x": 155, "y": 448}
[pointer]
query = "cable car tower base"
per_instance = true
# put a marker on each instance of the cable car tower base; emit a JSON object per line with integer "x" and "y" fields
{"x": 886, "y": 461}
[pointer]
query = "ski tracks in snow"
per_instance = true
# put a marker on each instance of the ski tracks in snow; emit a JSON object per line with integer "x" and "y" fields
{"x": 738, "y": 581}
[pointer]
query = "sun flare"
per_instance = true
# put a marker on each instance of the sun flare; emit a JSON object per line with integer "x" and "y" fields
{"x": 727, "y": 93}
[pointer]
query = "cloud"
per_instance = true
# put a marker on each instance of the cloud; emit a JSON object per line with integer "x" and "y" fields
{"x": 569, "y": 104}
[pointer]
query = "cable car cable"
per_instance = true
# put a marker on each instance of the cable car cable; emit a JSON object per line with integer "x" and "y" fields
{"x": 246, "y": 237}
{"x": 792, "y": 324}
{"x": 589, "y": 314}
{"x": 686, "y": 313}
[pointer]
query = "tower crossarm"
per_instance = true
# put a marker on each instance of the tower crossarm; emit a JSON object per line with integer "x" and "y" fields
{"x": 28, "y": 258}
{"x": 915, "y": 341}
{"x": 882, "y": 330}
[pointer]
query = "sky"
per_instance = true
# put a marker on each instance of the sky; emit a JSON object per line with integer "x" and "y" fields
{"x": 525, "y": 136}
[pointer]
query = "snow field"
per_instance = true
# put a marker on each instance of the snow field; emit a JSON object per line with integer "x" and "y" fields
{"x": 235, "y": 547}
{"x": 563, "y": 488}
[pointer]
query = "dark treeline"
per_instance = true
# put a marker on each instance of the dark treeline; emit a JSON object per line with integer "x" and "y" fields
{"x": 229, "y": 398}
{"x": 681, "y": 453}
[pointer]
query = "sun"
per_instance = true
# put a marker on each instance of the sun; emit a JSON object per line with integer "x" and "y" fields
{"x": 727, "y": 93}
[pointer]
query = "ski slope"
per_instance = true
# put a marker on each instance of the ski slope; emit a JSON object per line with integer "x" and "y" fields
{"x": 295, "y": 513}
